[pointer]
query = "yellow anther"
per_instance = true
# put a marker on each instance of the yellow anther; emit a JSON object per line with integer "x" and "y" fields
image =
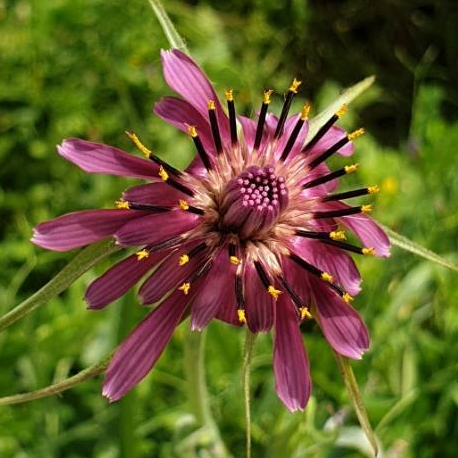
{"x": 142, "y": 254}
{"x": 184, "y": 205}
{"x": 192, "y": 131}
{"x": 229, "y": 95}
{"x": 234, "y": 260}
{"x": 184, "y": 259}
{"x": 367, "y": 208}
{"x": 163, "y": 174}
{"x": 373, "y": 189}
{"x": 139, "y": 145}
{"x": 266, "y": 96}
{"x": 211, "y": 104}
{"x": 273, "y": 292}
{"x": 122, "y": 204}
{"x": 355, "y": 134}
{"x": 370, "y": 251}
{"x": 341, "y": 111}
{"x": 327, "y": 277}
{"x": 305, "y": 314}
{"x": 241, "y": 315}
{"x": 337, "y": 235}
{"x": 347, "y": 298}
{"x": 185, "y": 287}
{"x": 351, "y": 168}
{"x": 294, "y": 85}
{"x": 305, "y": 111}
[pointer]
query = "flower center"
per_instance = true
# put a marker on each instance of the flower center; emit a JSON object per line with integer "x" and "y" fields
{"x": 253, "y": 201}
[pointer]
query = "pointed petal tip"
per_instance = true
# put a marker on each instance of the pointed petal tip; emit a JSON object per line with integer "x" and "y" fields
{"x": 294, "y": 405}
{"x": 111, "y": 397}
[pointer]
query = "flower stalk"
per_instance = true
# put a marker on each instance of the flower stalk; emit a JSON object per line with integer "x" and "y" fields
{"x": 58, "y": 387}
{"x": 250, "y": 339}
{"x": 81, "y": 263}
{"x": 194, "y": 368}
{"x": 356, "y": 399}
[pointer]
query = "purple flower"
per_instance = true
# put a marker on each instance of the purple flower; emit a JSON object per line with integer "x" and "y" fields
{"x": 252, "y": 232}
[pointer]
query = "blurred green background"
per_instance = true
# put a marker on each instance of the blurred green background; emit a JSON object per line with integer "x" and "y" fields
{"x": 91, "y": 69}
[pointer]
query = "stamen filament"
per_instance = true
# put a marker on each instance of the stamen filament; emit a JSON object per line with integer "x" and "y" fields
{"x": 232, "y": 116}
{"x": 175, "y": 184}
{"x": 349, "y": 247}
{"x": 149, "y": 155}
{"x": 342, "y": 212}
{"x": 262, "y": 274}
{"x": 331, "y": 176}
{"x": 294, "y": 297}
{"x": 144, "y": 207}
{"x": 190, "y": 208}
{"x": 239, "y": 291}
{"x": 292, "y": 91}
{"x": 333, "y": 235}
{"x": 233, "y": 254}
{"x": 294, "y": 134}
{"x": 214, "y": 127}
{"x": 200, "y": 147}
{"x": 324, "y": 276}
{"x": 323, "y": 129}
{"x": 262, "y": 119}
{"x": 350, "y": 194}
{"x": 328, "y": 153}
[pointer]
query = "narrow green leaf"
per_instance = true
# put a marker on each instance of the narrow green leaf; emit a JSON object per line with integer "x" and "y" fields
{"x": 402, "y": 242}
{"x": 344, "y": 99}
{"x": 357, "y": 400}
{"x": 173, "y": 37}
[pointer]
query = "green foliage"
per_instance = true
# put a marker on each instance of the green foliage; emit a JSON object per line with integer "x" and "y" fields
{"x": 92, "y": 69}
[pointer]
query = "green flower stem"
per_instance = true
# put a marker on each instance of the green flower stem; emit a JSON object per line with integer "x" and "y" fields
{"x": 58, "y": 387}
{"x": 194, "y": 367}
{"x": 82, "y": 262}
{"x": 126, "y": 413}
{"x": 357, "y": 400}
{"x": 250, "y": 339}
{"x": 173, "y": 37}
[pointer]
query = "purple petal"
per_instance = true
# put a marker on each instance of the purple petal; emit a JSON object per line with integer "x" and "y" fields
{"x": 259, "y": 304}
{"x": 369, "y": 232}
{"x": 291, "y": 364}
{"x": 181, "y": 114}
{"x": 142, "y": 348}
{"x": 341, "y": 324}
{"x": 217, "y": 292}
{"x": 153, "y": 193}
{"x": 117, "y": 280}
{"x": 184, "y": 76}
{"x": 100, "y": 158}
{"x": 331, "y": 260}
{"x": 228, "y": 313}
{"x": 170, "y": 274}
{"x": 81, "y": 228}
{"x": 155, "y": 228}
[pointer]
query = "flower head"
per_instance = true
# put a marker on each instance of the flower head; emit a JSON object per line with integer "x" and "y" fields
{"x": 251, "y": 233}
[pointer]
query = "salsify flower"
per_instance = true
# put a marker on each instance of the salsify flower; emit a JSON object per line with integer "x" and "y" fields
{"x": 251, "y": 233}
